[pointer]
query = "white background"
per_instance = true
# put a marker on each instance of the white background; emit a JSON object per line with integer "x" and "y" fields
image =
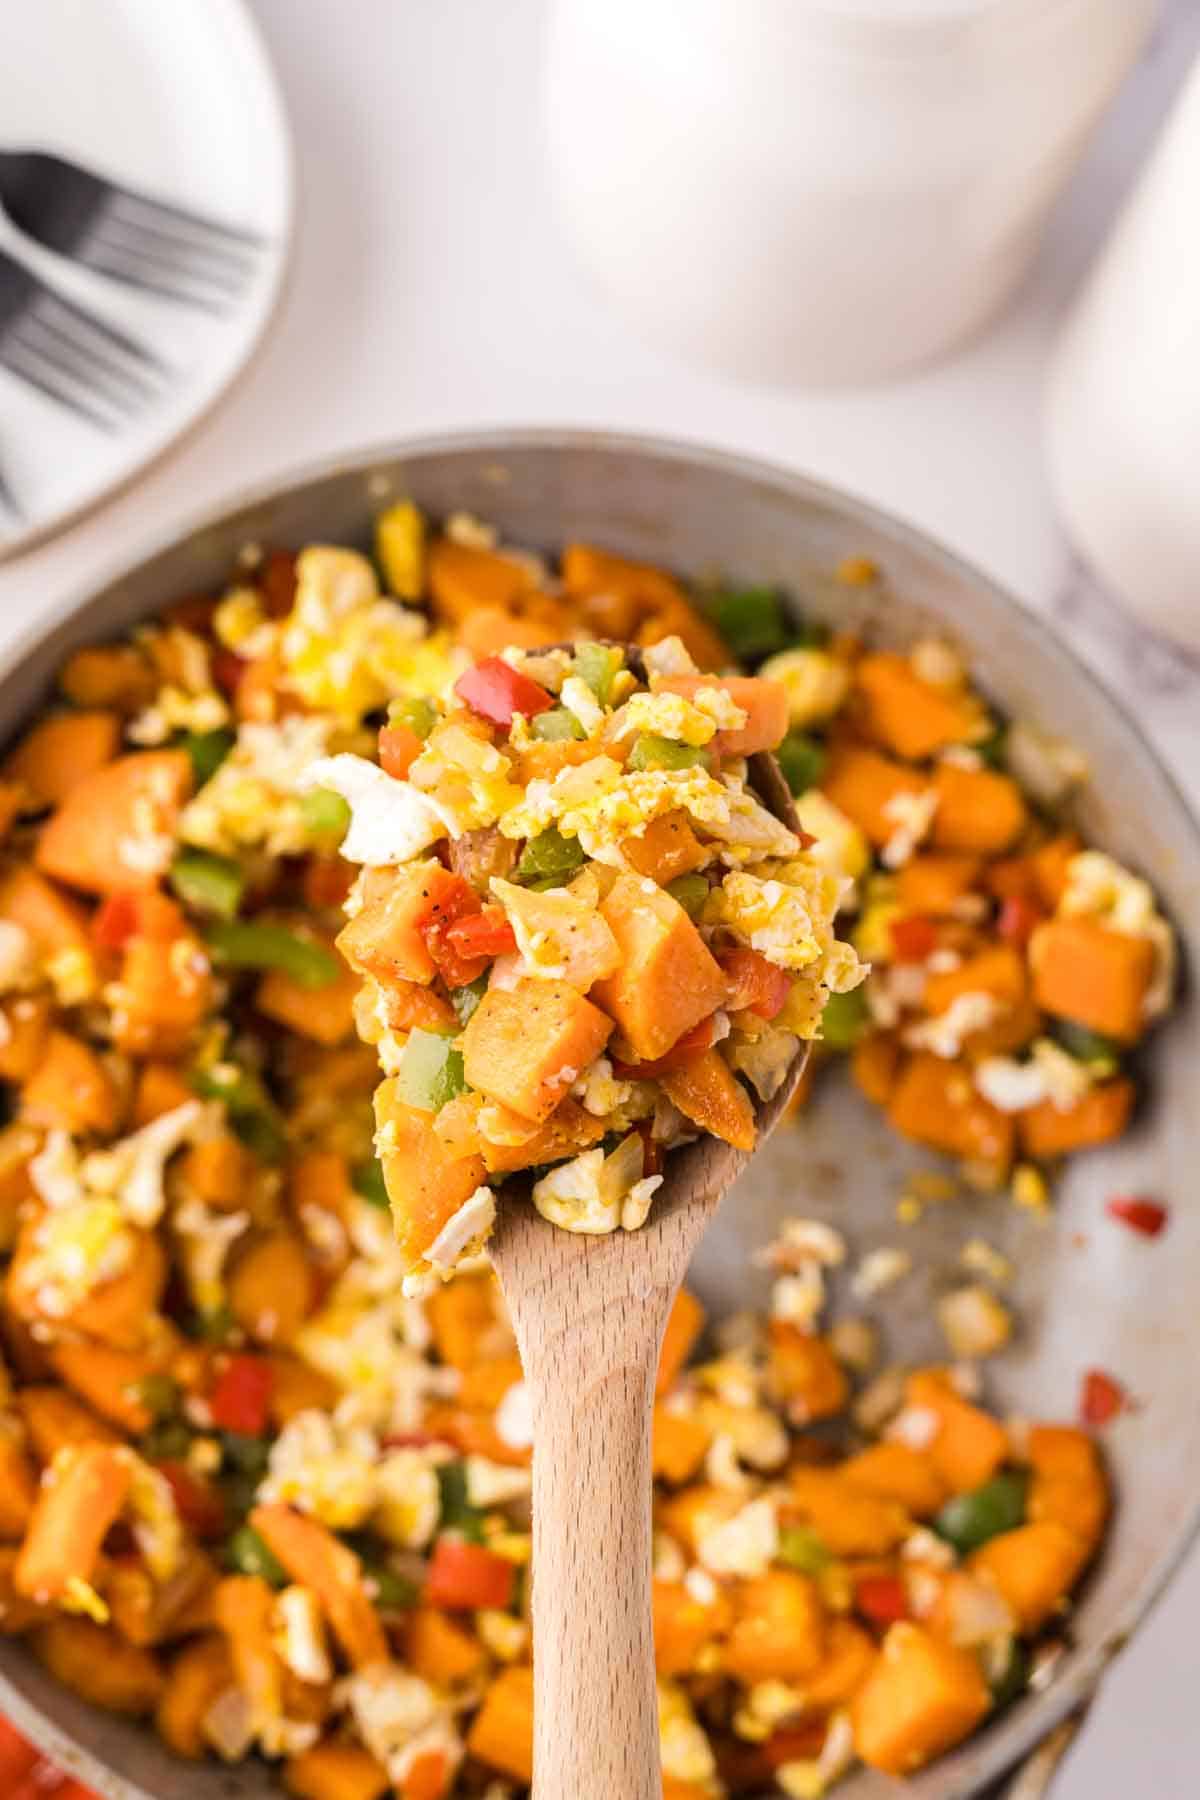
{"x": 429, "y": 291}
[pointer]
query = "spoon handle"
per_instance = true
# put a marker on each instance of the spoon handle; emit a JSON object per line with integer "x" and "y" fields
{"x": 589, "y": 1316}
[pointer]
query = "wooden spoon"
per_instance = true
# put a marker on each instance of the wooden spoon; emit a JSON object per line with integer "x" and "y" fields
{"x": 589, "y": 1314}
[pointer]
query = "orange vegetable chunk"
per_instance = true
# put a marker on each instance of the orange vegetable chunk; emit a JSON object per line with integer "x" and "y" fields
{"x": 1034, "y": 1567}
{"x": 61, "y": 751}
{"x": 336, "y": 1771}
{"x": 1068, "y": 1484}
{"x": 501, "y": 1733}
{"x": 764, "y": 702}
{"x": 462, "y": 579}
{"x": 922, "y": 1696}
{"x": 968, "y": 1446}
{"x": 524, "y": 1046}
{"x": 935, "y": 883}
{"x": 666, "y": 849}
{"x": 978, "y": 810}
{"x": 779, "y": 1630}
{"x": 53, "y": 921}
{"x": 425, "y": 1183}
{"x": 1096, "y": 977}
{"x": 685, "y": 1322}
{"x": 668, "y": 979}
{"x": 1101, "y": 1115}
{"x": 863, "y": 784}
{"x": 906, "y": 715}
{"x": 81, "y": 1497}
{"x": 683, "y": 1625}
{"x": 318, "y": 1560}
{"x": 384, "y": 937}
{"x": 935, "y": 1102}
{"x": 804, "y": 1374}
{"x": 707, "y": 1092}
{"x": 100, "y": 1666}
{"x": 900, "y": 1473}
{"x": 71, "y": 1089}
{"x": 115, "y": 831}
{"x": 198, "y": 1676}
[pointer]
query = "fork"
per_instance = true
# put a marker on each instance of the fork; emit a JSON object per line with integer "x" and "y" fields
{"x": 125, "y": 234}
{"x": 70, "y": 355}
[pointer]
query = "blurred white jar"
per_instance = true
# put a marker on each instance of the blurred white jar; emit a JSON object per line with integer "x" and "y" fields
{"x": 821, "y": 190}
{"x": 1124, "y": 397}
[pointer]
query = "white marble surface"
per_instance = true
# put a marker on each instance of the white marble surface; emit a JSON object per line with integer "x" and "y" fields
{"x": 428, "y": 292}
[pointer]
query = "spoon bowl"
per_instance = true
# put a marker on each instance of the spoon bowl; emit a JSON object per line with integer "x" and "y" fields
{"x": 589, "y": 1315}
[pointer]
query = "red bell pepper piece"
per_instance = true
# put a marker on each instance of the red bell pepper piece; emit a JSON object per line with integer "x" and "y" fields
{"x": 486, "y": 933}
{"x": 197, "y": 1502}
{"x": 1146, "y": 1217}
{"x": 495, "y": 691}
{"x": 466, "y": 1578}
{"x": 227, "y": 671}
{"x": 881, "y": 1598}
{"x": 1018, "y": 919}
{"x": 755, "y": 985}
{"x": 700, "y": 1037}
{"x": 241, "y": 1398}
{"x": 457, "y": 900}
{"x": 1101, "y": 1397}
{"x": 16, "y": 1756}
{"x": 913, "y": 938}
{"x": 399, "y": 748}
{"x": 127, "y": 915}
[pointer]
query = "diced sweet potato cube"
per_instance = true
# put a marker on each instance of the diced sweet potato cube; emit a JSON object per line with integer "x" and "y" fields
{"x": 324, "y": 1014}
{"x": 525, "y": 1046}
{"x": 462, "y": 578}
{"x": 875, "y": 1065}
{"x": 978, "y": 810}
{"x": 71, "y": 1089}
{"x": 1050, "y": 865}
{"x": 679, "y": 1444}
{"x": 666, "y": 849}
{"x": 569, "y": 1129}
{"x": 850, "y": 1656}
{"x": 683, "y": 1625}
{"x": 116, "y": 675}
{"x": 779, "y": 1628}
{"x": 116, "y": 829}
{"x": 1068, "y": 1485}
{"x": 439, "y": 1650}
{"x": 197, "y": 1677}
{"x": 1034, "y": 1567}
{"x": 61, "y": 751}
{"x": 587, "y": 570}
{"x": 99, "y": 1666}
{"x": 1101, "y": 1115}
{"x": 968, "y": 1446}
{"x": 906, "y": 715}
{"x": 336, "y": 1770}
{"x": 922, "y": 1696}
{"x": 271, "y": 1286}
{"x": 935, "y": 1102}
{"x": 685, "y": 1322}
{"x": 501, "y": 1734}
{"x": 426, "y": 1185}
{"x": 935, "y": 883}
{"x": 998, "y": 970}
{"x": 707, "y": 1092}
{"x": 703, "y": 644}
{"x": 1096, "y": 977}
{"x": 53, "y": 921}
{"x": 668, "y": 979}
{"x": 384, "y": 938}
{"x": 863, "y": 784}
{"x": 462, "y": 1317}
{"x": 898, "y": 1472}
{"x": 764, "y": 702}
{"x": 804, "y": 1373}
{"x": 848, "y": 1519}
{"x": 24, "y": 1029}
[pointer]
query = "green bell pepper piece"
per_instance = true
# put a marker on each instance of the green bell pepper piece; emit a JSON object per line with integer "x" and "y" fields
{"x": 801, "y": 1548}
{"x": 752, "y": 622}
{"x": 691, "y": 891}
{"x": 325, "y": 814}
{"x": 208, "y": 883}
{"x": 550, "y": 854}
{"x": 802, "y": 761}
{"x": 430, "y": 1071}
{"x": 253, "y": 945}
{"x": 968, "y": 1520}
{"x": 651, "y": 752}
{"x": 208, "y": 750}
{"x": 558, "y": 724}
{"x": 845, "y": 1018}
{"x": 1088, "y": 1046}
{"x": 599, "y": 665}
{"x": 419, "y": 715}
{"x": 464, "y": 1000}
{"x": 457, "y": 1512}
{"x": 248, "y": 1553}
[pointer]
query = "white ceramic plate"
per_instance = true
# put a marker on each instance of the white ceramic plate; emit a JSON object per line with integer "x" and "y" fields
{"x": 180, "y": 100}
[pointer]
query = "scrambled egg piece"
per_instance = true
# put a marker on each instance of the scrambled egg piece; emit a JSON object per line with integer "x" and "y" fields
{"x": 390, "y": 822}
{"x": 466, "y": 777}
{"x": 253, "y": 800}
{"x": 333, "y": 1468}
{"x": 686, "y": 1752}
{"x": 695, "y": 721}
{"x": 595, "y": 1194}
{"x": 840, "y": 845}
{"x": 77, "y": 1249}
{"x": 560, "y": 934}
{"x": 816, "y": 683}
{"x": 400, "y": 1719}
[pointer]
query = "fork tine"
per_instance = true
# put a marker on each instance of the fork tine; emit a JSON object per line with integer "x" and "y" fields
{"x": 124, "y": 384}
{"x": 176, "y": 242}
{"x": 141, "y": 206}
{"x": 52, "y": 303}
{"x": 148, "y": 277}
{"x": 174, "y": 261}
{"x": 44, "y": 379}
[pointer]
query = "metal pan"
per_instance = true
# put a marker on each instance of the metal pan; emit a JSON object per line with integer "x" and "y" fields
{"x": 1086, "y": 1294}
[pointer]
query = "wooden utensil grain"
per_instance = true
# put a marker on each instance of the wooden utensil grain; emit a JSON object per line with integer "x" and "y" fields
{"x": 589, "y": 1314}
